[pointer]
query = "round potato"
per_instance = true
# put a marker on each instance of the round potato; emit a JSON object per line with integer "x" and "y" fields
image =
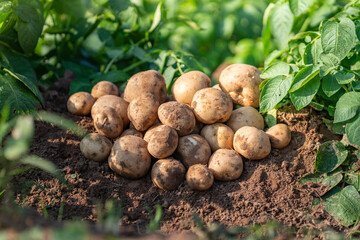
{"x": 95, "y": 147}
{"x": 119, "y": 104}
{"x": 142, "y": 111}
{"x": 178, "y": 116}
{"x": 104, "y": 88}
{"x": 163, "y": 142}
{"x": 129, "y": 157}
{"x": 226, "y": 165}
{"x": 80, "y": 103}
{"x": 279, "y": 135}
{"x": 188, "y": 84}
{"x": 199, "y": 177}
{"x": 218, "y": 135}
{"x": 132, "y": 132}
{"x": 241, "y": 82}
{"x": 252, "y": 143}
{"x": 151, "y": 130}
{"x": 108, "y": 122}
{"x": 211, "y": 105}
{"x": 168, "y": 174}
{"x": 245, "y": 116}
{"x": 141, "y": 83}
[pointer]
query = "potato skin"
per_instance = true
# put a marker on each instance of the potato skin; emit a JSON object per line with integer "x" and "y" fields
{"x": 132, "y": 132}
{"x": 141, "y": 83}
{"x": 129, "y": 157}
{"x": 163, "y": 142}
{"x": 168, "y": 174}
{"x": 150, "y": 131}
{"x": 199, "y": 177}
{"x": 95, "y": 147}
{"x": 103, "y": 88}
{"x": 241, "y": 82}
{"x": 211, "y": 105}
{"x": 245, "y": 116}
{"x": 108, "y": 122}
{"x": 218, "y": 135}
{"x": 80, "y": 103}
{"x": 178, "y": 116}
{"x": 279, "y": 135}
{"x": 119, "y": 104}
{"x": 226, "y": 165}
{"x": 188, "y": 84}
{"x": 252, "y": 143}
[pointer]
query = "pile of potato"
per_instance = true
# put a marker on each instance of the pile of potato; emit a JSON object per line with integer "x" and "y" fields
{"x": 194, "y": 134}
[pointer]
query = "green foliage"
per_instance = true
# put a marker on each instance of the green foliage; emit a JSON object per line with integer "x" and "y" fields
{"x": 155, "y": 219}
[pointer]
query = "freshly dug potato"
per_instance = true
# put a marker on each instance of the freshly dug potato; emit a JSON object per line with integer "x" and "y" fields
{"x": 132, "y": 132}
{"x": 141, "y": 83}
{"x": 142, "y": 111}
{"x": 151, "y": 130}
{"x": 188, "y": 84}
{"x": 95, "y": 147}
{"x": 168, "y": 174}
{"x": 252, "y": 143}
{"x": 104, "y": 88}
{"x": 178, "y": 116}
{"x": 199, "y": 177}
{"x": 119, "y": 104}
{"x": 279, "y": 135}
{"x": 193, "y": 149}
{"x": 226, "y": 165}
{"x": 108, "y": 122}
{"x": 198, "y": 126}
{"x": 218, "y": 135}
{"x": 245, "y": 116}
{"x": 163, "y": 142}
{"x": 217, "y": 86}
{"x": 129, "y": 157}
{"x": 211, "y": 105}
{"x": 241, "y": 82}
{"x": 80, "y": 103}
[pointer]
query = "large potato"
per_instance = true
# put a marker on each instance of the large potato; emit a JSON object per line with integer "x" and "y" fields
{"x": 226, "y": 165}
{"x": 95, "y": 147}
{"x": 108, "y": 122}
{"x": 142, "y": 111}
{"x": 178, "y": 116}
{"x": 218, "y": 135}
{"x": 129, "y": 157}
{"x": 188, "y": 84}
{"x": 211, "y": 105}
{"x": 199, "y": 177}
{"x": 279, "y": 135}
{"x": 245, "y": 116}
{"x": 252, "y": 143}
{"x": 151, "y": 130}
{"x": 119, "y": 104}
{"x": 241, "y": 82}
{"x": 141, "y": 83}
{"x": 80, "y": 103}
{"x": 168, "y": 174}
{"x": 104, "y": 88}
{"x": 163, "y": 142}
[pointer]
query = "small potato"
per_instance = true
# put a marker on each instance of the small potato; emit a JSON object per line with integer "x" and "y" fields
{"x": 142, "y": 111}
{"x": 199, "y": 177}
{"x": 211, "y": 105}
{"x": 193, "y": 149}
{"x": 279, "y": 135}
{"x": 95, "y": 147}
{"x": 252, "y": 143}
{"x": 108, "y": 122}
{"x": 129, "y": 157}
{"x": 226, "y": 165}
{"x": 245, "y": 116}
{"x": 150, "y": 131}
{"x": 141, "y": 83}
{"x": 104, "y": 88}
{"x": 218, "y": 135}
{"x": 132, "y": 132}
{"x": 119, "y": 104}
{"x": 80, "y": 103}
{"x": 188, "y": 84}
{"x": 168, "y": 174}
{"x": 163, "y": 142}
{"x": 178, "y": 116}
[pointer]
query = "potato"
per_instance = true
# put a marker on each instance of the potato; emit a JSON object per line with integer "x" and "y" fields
{"x": 252, "y": 143}
{"x": 108, "y": 122}
{"x": 193, "y": 149}
{"x": 218, "y": 135}
{"x": 151, "y": 130}
{"x": 163, "y": 142}
{"x": 217, "y": 86}
{"x": 226, "y": 165}
{"x": 178, "y": 116}
{"x": 141, "y": 83}
{"x": 142, "y": 111}
{"x": 198, "y": 126}
{"x": 80, "y": 103}
{"x": 129, "y": 157}
{"x": 168, "y": 174}
{"x": 119, "y": 104}
{"x": 188, "y": 84}
{"x": 279, "y": 135}
{"x": 245, "y": 116}
{"x": 211, "y": 105}
{"x": 104, "y": 88}
{"x": 132, "y": 132}
{"x": 199, "y": 177}
{"x": 241, "y": 82}
{"x": 95, "y": 147}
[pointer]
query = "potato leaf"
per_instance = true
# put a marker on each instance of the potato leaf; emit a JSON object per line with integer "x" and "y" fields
{"x": 330, "y": 155}
{"x": 303, "y": 77}
{"x": 304, "y": 95}
{"x": 275, "y": 69}
{"x": 299, "y": 6}
{"x": 330, "y": 85}
{"x": 352, "y": 130}
{"x": 347, "y": 107}
{"x": 281, "y": 23}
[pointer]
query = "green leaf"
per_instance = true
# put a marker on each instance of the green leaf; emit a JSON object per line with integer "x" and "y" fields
{"x": 330, "y": 85}
{"x": 75, "y": 8}
{"x": 191, "y": 63}
{"x": 275, "y": 69}
{"x": 352, "y": 131}
{"x": 266, "y": 32}
{"x": 169, "y": 76}
{"x": 119, "y": 5}
{"x": 273, "y": 92}
{"x": 330, "y": 155}
{"x": 299, "y": 6}
{"x": 347, "y": 107}
{"x": 128, "y": 18}
{"x": 5, "y": 11}
{"x": 353, "y": 178}
{"x": 303, "y": 96}
{"x": 337, "y": 128}
{"x": 157, "y": 17}
{"x": 80, "y": 85}
{"x": 344, "y": 78}
{"x": 281, "y": 23}
{"x": 313, "y": 52}
{"x": 327, "y": 179}
{"x": 116, "y": 76}
{"x": 303, "y": 77}
{"x": 272, "y": 56}
{"x": 271, "y": 118}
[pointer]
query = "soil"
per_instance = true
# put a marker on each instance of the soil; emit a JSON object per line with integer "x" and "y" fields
{"x": 267, "y": 190}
